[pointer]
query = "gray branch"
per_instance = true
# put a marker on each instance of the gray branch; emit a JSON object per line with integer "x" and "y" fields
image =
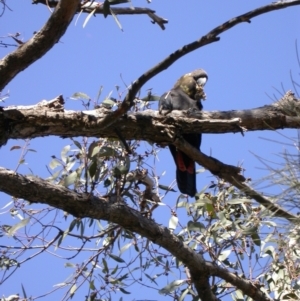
{"x": 113, "y": 209}
{"x": 98, "y": 8}
{"x": 210, "y": 37}
{"x": 50, "y": 118}
{"x": 40, "y": 43}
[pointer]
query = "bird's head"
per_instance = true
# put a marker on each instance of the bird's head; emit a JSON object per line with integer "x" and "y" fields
{"x": 192, "y": 84}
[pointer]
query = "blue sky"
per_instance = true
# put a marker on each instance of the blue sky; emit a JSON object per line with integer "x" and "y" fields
{"x": 250, "y": 62}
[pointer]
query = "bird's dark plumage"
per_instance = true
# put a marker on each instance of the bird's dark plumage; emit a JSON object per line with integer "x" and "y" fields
{"x": 185, "y": 95}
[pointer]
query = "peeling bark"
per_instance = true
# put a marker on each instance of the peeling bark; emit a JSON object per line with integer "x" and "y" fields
{"x": 50, "y": 118}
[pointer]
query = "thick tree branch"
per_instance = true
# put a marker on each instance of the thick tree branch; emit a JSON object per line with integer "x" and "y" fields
{"x": 231, "y": 175}
{"x": 50, "y": 118}
{"x": 246, "y": 287}
{"x": 210, "y": 37}
{"x": 40, "y": 43}
{"x": 113, "y": 209}
{"x": 98, "y": 8}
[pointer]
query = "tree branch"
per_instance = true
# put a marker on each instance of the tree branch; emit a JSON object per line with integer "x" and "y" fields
{"x": 231, "y": 174}
{"x": 50, "y": 118}
{"x": 246, "y": 287}
{"x": 97, "y": 8}
{"x": 40, "y": 43}
{"x": 113, "y": 209}
{"x": 209, "y": 38}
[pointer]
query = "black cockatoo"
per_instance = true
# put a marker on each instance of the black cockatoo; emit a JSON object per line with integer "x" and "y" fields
{"x": 186, "y": 94}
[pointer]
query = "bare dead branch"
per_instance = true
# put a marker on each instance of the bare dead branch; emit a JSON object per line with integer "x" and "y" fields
{"x": 231, "y": 174}
{"x": 50, "y": 118}
{"x": 3, "y": 6}
{"x": 210, "y": 37}
{"x": 39, "y": 44}
{"x": 97, "y": 8}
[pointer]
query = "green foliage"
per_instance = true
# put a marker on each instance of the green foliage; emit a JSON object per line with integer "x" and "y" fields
{"x": 6, "y": 262}
{"x": 221, "y": 223}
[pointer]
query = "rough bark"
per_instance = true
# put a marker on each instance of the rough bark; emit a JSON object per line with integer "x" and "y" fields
{"x": 40, "y": 43}
{"x": 113, "y": 209}
{"x": 50, "y": 118}
{"x": 98, "y": 8}
{"x": 231, "y": 174}
{"x": 210, "y": 37}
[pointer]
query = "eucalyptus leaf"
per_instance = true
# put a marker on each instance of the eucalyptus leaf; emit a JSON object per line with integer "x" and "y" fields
{"x": 116, "y": 19}
{"x": 93, "y": 149}
{"x": 167, "y": 188}
{"x": 54, "y": 163}
{"x": 116, "y": 258}
{"x": 224, "y": 254}
{"x": 79, "y": 95}
{"x": 124, "y": 291}
{"x": 88, "y": 17}
{"x": 108, "y": 103}
{"x": 18, "y": 226}
{"x": 70, "y": 179}
{"x": 171, "y": 287}
{"x": 173, "y": 222}
{"x": 195, "y": 226}
{"x": 64, "y": 152}
{"x": 73, "y": 289}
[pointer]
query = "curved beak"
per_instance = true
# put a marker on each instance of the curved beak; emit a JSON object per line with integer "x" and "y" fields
{"x": 201, "y": 81}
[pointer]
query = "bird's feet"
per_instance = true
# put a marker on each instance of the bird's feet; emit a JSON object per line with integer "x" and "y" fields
{"x": 200, "y": 94}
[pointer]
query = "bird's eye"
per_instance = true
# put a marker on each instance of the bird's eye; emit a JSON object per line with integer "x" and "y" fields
{"x": 201, "y": 81}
